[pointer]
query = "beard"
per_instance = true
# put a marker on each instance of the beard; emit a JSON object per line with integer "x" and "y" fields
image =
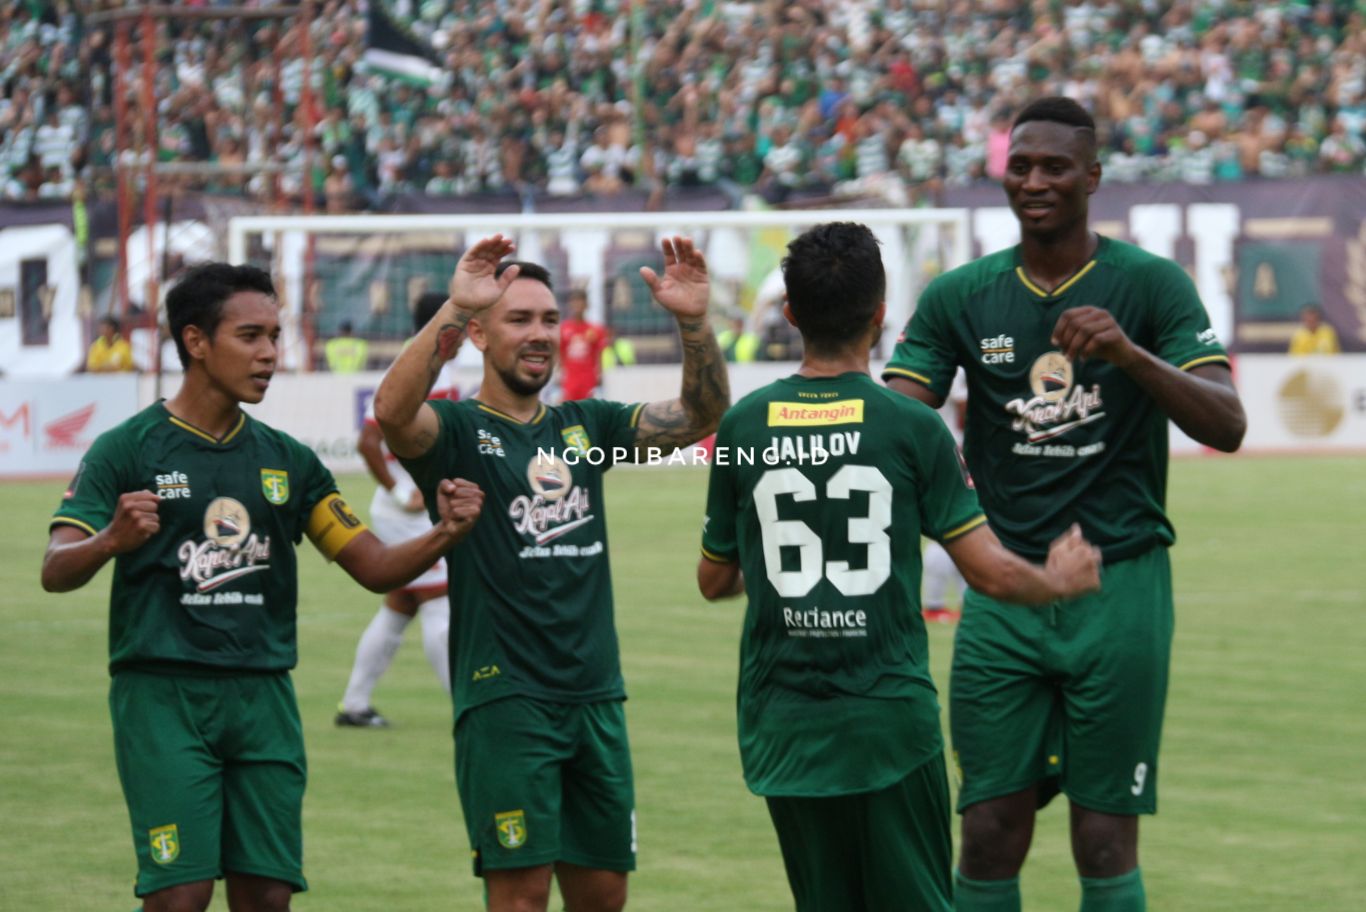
{"x": 522, "y": 386}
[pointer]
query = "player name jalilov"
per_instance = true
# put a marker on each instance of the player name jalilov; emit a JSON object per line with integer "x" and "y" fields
{"x": 813, "y": 449}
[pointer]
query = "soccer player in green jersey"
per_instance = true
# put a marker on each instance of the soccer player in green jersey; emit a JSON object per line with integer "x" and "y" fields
{"x": 200, "y": 507}
{"x": 821, "y": 487}
{"x": 542, "y": 762}
{"x": 1078, "y": 349}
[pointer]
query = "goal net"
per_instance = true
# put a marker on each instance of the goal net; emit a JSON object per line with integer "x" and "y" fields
{"x": 368, "y": 270}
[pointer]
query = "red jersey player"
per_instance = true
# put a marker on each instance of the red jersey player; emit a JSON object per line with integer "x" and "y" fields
{"x": 581, "y": 345}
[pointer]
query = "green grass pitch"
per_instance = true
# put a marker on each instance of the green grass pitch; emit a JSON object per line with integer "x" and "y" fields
{"x": 1263, "y": 787}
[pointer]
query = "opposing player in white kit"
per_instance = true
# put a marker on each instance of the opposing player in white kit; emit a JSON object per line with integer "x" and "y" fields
{"x": 397, "y": 513}
{"x": 941, "y": 578}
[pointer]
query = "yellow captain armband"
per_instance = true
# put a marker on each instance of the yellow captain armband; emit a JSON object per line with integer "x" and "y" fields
{"x": 332, "y": 525}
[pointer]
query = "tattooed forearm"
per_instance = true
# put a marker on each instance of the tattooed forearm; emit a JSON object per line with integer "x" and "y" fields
{"x": 449, "y": 336}
{"x": 704, "y": 396}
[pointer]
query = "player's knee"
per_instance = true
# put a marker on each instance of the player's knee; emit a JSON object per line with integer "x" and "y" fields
{"x": 1105, "y": 846}
{"x": 517, "y": 894}
{"x": 194, "y": 897}
{"x": 995, "y": 841}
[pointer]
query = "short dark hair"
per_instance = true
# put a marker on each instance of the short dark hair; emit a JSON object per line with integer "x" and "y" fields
{"x": 345, "y": 327}
{"x": 1059, "y": 109}
{"x": 428, "y": 303}
{"x": 197, "y": 298}
{"x": 526, "y": 271}
{"x": 110, "y": 321}
{"x": 835, "y": 282}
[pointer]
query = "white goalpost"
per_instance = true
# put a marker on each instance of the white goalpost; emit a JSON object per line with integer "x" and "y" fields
{"x": 371, "y": 266}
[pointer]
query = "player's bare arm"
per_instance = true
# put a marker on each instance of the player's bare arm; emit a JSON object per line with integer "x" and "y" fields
{"x": 915, "y": 390}
{"x": 383, "y": 568}
{"x": 369, "y": 447}
{"x": 408, "y": 423}
{"x": 684, "y": 290}
{"x": 1072, "y": 567}
{"x": 1202, "y": 401}
{"x": 74, "y": 556}
{"x": 719, "y": 580}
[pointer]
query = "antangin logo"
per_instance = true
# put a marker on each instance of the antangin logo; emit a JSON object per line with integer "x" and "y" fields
{"x": 557, "y": 505}
{"x": 1057, "y": 406}
{"x": 229, "y": 550}
{"x": 998, "y": 350}
{"x": 802, "y": 414}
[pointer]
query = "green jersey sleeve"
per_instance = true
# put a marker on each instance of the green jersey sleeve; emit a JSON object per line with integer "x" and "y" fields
{"x": 924, "y": 353}
{"x": 948, "y": 499}
{"x": 93, "y": 495}
{"x": 719, "y": 535}
{"x": 318, "y": 483}
{"x": 1182, "y": 332}
{"x": 610, "y": 426}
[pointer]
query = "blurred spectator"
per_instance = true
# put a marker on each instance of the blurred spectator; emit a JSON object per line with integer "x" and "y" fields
{"x": 599, "y": 95}
{"x": 345, "y": 353}
{"x": 738, "y": 344}
{"x": 581, "y": 346}
{"x": 110, "y": 351}
{"x": 1314, "y": 335}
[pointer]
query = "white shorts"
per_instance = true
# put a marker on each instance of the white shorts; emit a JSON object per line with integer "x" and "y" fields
{"x": 392, "y": 524}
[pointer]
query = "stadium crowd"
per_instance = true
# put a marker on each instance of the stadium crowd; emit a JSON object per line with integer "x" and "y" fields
{"x": 898, "y": 97}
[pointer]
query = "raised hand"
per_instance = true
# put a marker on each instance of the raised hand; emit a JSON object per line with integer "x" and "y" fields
{"x": 135, "y": 521}
{"x": 1089, "y": 332}
{"x": 1073, "y": 563}
{"x": 459, "y": 503}
{"x": 473, "y": 285}
{"x": 684, "y": 290}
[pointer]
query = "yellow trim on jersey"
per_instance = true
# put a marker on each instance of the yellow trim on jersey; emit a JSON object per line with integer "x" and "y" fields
{"x": 918, "y": 378}
{"x": 965, "y": 527}
{"x": 540, "y": 413}
{"x": 635, "y": 415}
{"x": 1206, "y": 359}
{"x": 716, "y": 558}
{"x": 332, "y": 525}
{"x": 185, "y": 425}
{"x": 68, "y": 521}
{"x": 1076, "y": 277}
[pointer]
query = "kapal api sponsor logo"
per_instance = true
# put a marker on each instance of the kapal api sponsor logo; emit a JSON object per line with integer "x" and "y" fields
{"x": 230, "y": 550}
{"x": 1057, "y": 405}
{"x": 555, "y": 506}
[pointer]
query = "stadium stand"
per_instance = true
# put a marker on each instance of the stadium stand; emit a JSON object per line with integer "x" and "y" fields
{"x": 897, "y": 97}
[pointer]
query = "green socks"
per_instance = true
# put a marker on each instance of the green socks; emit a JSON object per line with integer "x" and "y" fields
{"x": 986, "y": 895}
{"x": 1114, "y": 894}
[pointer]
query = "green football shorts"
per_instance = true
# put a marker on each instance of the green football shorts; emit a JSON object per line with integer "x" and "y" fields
{"x": 542, "y": 782}
{"x": 1068, "y": 695}
{"x": 213, "y": 772}
{"x": 870, "y": 852}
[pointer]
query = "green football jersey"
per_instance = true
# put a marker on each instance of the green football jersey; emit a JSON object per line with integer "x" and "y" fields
{"x": 821, "y": 489}
{"x": 217, "y": 585}
{"x": 531, "y": 586}
{"x": 1050, "y": 441}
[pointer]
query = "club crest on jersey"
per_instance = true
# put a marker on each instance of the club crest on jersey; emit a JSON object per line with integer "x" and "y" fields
{"x": 576, "y": 438}
{"x": 229, "y": 549}
{"x": 1057, "y": 404}
{"x": 511, "y": 826}
{"x": 275, "y": 485}
{"x": 165, "y": 842}
{"x": 555, "y": 507}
